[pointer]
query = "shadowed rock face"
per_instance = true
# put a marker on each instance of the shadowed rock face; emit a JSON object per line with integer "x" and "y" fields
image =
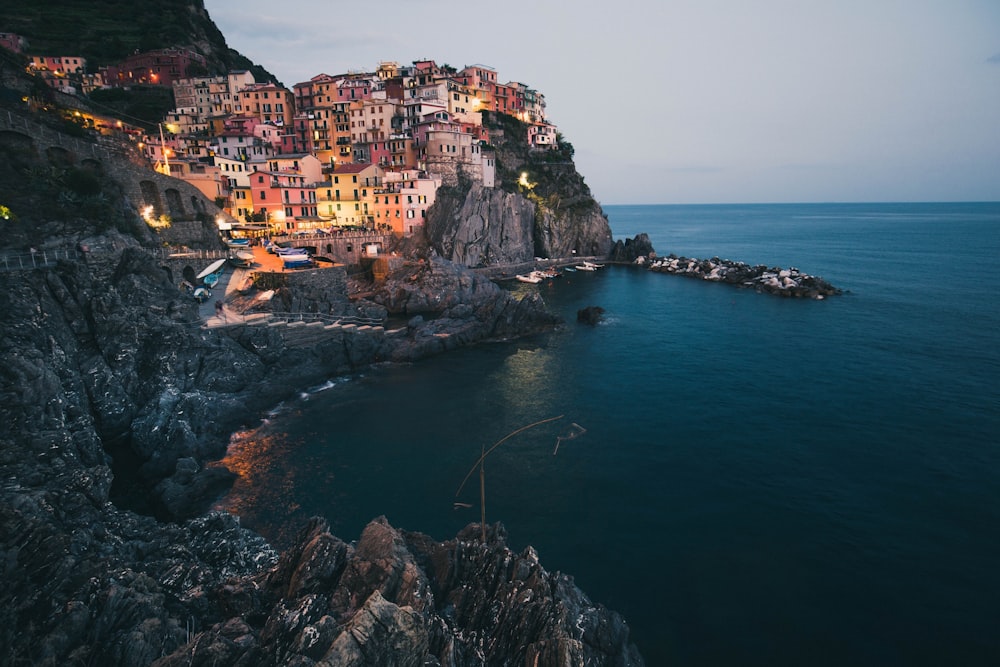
{"x": 489, "y": 227}
{"x": 104, "y": 366}
{"x": 400, "y": 598}
{"x": 106, "y": 355}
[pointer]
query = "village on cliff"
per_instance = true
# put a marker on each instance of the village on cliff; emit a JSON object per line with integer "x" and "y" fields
{"x": 359, "y": 150}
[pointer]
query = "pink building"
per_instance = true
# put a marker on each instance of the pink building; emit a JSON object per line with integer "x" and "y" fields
{"x": 285, "y": 199}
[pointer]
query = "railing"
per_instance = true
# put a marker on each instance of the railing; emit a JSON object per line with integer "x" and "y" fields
{"x": 274, "y": 318}
{"x": 326, "y": 318}
{"x": 37, "y": 260}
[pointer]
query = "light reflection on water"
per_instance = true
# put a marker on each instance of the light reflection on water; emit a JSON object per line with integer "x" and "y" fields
{"x": 260, "y": 459}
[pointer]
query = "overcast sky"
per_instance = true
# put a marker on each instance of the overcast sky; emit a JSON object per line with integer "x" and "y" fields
{"x": 699, "y": 101}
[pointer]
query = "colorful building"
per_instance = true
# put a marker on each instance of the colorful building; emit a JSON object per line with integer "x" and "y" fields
{"x": 160, "y": 68}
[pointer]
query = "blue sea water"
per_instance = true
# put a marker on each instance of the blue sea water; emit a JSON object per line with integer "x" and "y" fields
{"x": 762, "y": 481}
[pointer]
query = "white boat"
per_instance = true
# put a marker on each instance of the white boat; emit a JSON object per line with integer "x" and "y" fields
{"x": 586, "y": 266}
{"x": 528, "y": 278}
{"x": 243, "y": 258}
{"x": 212, "y": 268}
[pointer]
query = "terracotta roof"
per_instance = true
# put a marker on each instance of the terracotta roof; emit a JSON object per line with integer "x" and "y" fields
{"x": 351, "y": 168}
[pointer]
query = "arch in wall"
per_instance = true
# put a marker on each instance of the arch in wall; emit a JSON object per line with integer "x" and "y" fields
{"x": 197, "y": 205}
{"x": 151, "y": 197}
{"x": 59, "y": 156}
{"x": 18, "y": 141}
{"x": 175, "y": 205}
{"x": 93, "y": 166}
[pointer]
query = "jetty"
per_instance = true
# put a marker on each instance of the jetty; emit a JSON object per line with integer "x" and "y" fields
{"x": 788, "y": 282}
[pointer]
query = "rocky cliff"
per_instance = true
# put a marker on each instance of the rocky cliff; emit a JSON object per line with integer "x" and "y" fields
{"x": 115, "y": 398}
{"x": 540, "y": 207}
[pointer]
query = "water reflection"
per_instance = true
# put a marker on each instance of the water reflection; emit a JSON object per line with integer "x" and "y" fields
{"x": 266, "y": 476}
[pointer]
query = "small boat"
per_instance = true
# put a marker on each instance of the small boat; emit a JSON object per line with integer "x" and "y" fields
{"x": 528, "y": 278}
{"x": 297, "y": 262}
{"x": 212, "y": 268}
{"x": 243, "y": 259}
{"x": 202, "y": 294}
{"x": 586, "y": 266}
{"x": 238, "y": 243}
{"x": 290, "y": 251}
{"x": 212, "y": 279}
{"x": 571, "y": 269}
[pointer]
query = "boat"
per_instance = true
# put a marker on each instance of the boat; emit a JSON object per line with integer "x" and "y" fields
{"x": 243, "y": 259}
{"x": 212, "y": 279}
{"x": 529, "y": 278}
{"x": 290, "y": 251}
{"x": 238, "y": 243}
{"x": 214, "y": 267}
{"x": 201, "y": 294}
{"x": 586, "y": 266}
{"x": 297, "y": 261}
{"x": 571, "y": 269}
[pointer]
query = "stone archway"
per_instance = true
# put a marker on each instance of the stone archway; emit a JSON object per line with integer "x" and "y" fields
{"x": 60, "y": 157}
{"x": 16, "y": 141}
{"x": 175, "y": 205}
{"x": 151, "y": 196}
{"x": 93, "y": 166}
{"x": 198, "y": 205}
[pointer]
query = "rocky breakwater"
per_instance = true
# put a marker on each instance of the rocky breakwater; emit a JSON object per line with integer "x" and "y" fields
{"x": 773, "y": 280}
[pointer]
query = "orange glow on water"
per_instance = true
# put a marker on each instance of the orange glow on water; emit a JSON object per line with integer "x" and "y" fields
{"x": 258, "y": 457}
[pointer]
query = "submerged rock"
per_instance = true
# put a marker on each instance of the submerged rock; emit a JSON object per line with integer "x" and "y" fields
{"x": 590, "y": 315}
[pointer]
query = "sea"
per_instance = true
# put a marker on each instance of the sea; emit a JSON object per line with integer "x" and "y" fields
{"x": 747, "y": 479}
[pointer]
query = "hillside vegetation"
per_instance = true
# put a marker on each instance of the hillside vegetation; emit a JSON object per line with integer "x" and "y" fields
{"x": 106, "y": 32}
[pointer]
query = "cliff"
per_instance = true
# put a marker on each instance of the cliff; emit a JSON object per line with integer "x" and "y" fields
{"x": 116, "y": 402}
{"x": 540, "y": 207}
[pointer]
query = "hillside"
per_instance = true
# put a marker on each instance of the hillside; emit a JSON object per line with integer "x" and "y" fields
{"x": 106, "y": 32}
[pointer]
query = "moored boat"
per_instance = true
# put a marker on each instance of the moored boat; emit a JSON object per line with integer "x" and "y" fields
{"x": 529, "y": 278}
{"x": 214, "y": 267}
{"x": 297, "y": 261}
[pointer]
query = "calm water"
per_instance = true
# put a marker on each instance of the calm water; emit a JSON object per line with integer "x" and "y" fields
{"x": 761, "y": 482}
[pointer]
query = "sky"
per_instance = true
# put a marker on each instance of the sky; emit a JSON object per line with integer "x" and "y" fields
{"x": 699, "y": 101}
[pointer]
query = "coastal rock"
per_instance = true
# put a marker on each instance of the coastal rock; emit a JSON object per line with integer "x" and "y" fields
{"x": 590, "y": 315}
{"x": 772, "y": 280}
{"x": 481, "y": 227}
{"x": 630, "y": 250}
{"x": 455, "y": 307}
{"x": 115, "y": 398}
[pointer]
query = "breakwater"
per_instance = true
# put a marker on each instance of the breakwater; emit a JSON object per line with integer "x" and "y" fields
{"x": 788, "y": 282}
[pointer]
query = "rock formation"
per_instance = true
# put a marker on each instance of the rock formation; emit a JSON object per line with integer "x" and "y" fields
{"x": 773, "y": 280}
{"x": 114, "y": 398}
{"x": 540, "y": 207}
